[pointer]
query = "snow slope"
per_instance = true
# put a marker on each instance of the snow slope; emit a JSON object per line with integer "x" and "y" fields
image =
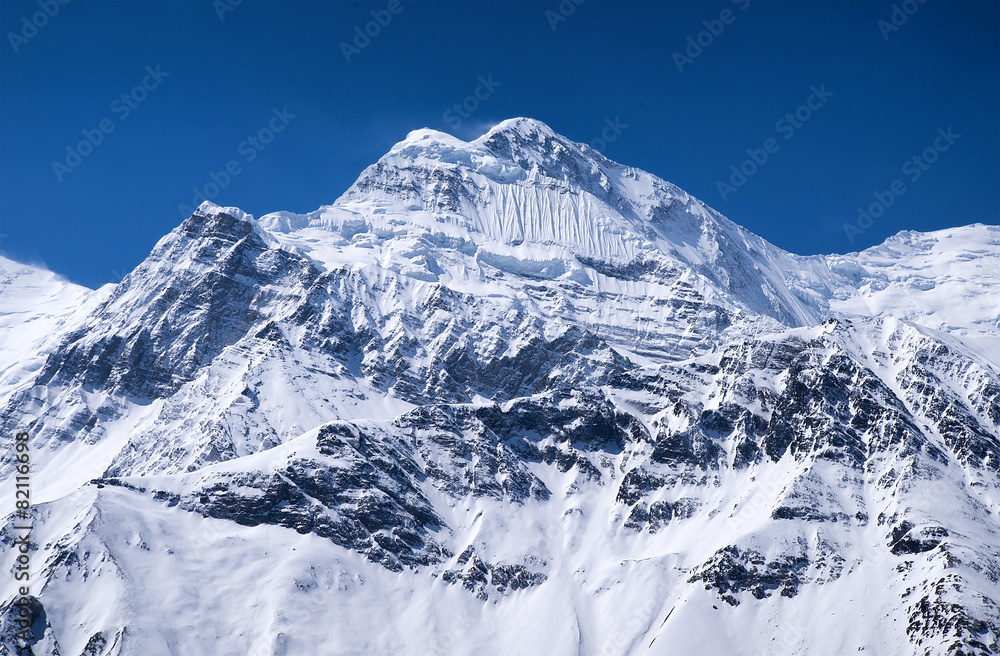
{"x": 945, "y": 280}
{"x": 36, "y": 304}
{"x": 509, "y": 397}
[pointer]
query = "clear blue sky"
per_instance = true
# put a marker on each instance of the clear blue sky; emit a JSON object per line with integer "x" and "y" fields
{"x": 606, "y": 61}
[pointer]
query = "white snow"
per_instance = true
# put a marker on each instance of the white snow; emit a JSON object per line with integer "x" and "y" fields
{"x": 539, "y": 239}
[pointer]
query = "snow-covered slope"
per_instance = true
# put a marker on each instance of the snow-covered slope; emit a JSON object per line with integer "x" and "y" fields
{"x": 35, "y": 306}
{"x": 509, "y": 397}
{"x": 946, "y": 280}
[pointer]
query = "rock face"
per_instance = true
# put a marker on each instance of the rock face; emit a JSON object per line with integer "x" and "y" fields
{"x": 508, "y": 396}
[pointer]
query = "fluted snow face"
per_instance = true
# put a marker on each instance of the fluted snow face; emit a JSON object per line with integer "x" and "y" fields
{"x": 525, "y": 200}
{"x": 508, "y": 396}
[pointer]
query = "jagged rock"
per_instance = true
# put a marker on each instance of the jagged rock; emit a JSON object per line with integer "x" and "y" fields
{"x": 517, "y": 344}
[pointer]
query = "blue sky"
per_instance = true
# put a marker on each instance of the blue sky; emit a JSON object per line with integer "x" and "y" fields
{"x": 198, "y": 87}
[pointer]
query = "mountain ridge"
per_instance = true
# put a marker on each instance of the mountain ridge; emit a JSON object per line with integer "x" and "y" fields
{"x": 508, "y": 396}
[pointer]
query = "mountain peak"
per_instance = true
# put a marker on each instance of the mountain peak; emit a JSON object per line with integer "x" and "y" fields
{"x": 519, "y": 125}
{"x": 210, "y": 209}
{"x": 427, "y": 137}
{"x": 530, "y": 201}
{"x": 531, "y": 144}
{"x": 552, "y": 397}
{"x": 525, "y": 142}
{"x": 520, "y": 128}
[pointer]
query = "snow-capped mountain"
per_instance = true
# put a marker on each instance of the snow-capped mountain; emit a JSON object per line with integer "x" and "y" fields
{"x": 508, "y": 397}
